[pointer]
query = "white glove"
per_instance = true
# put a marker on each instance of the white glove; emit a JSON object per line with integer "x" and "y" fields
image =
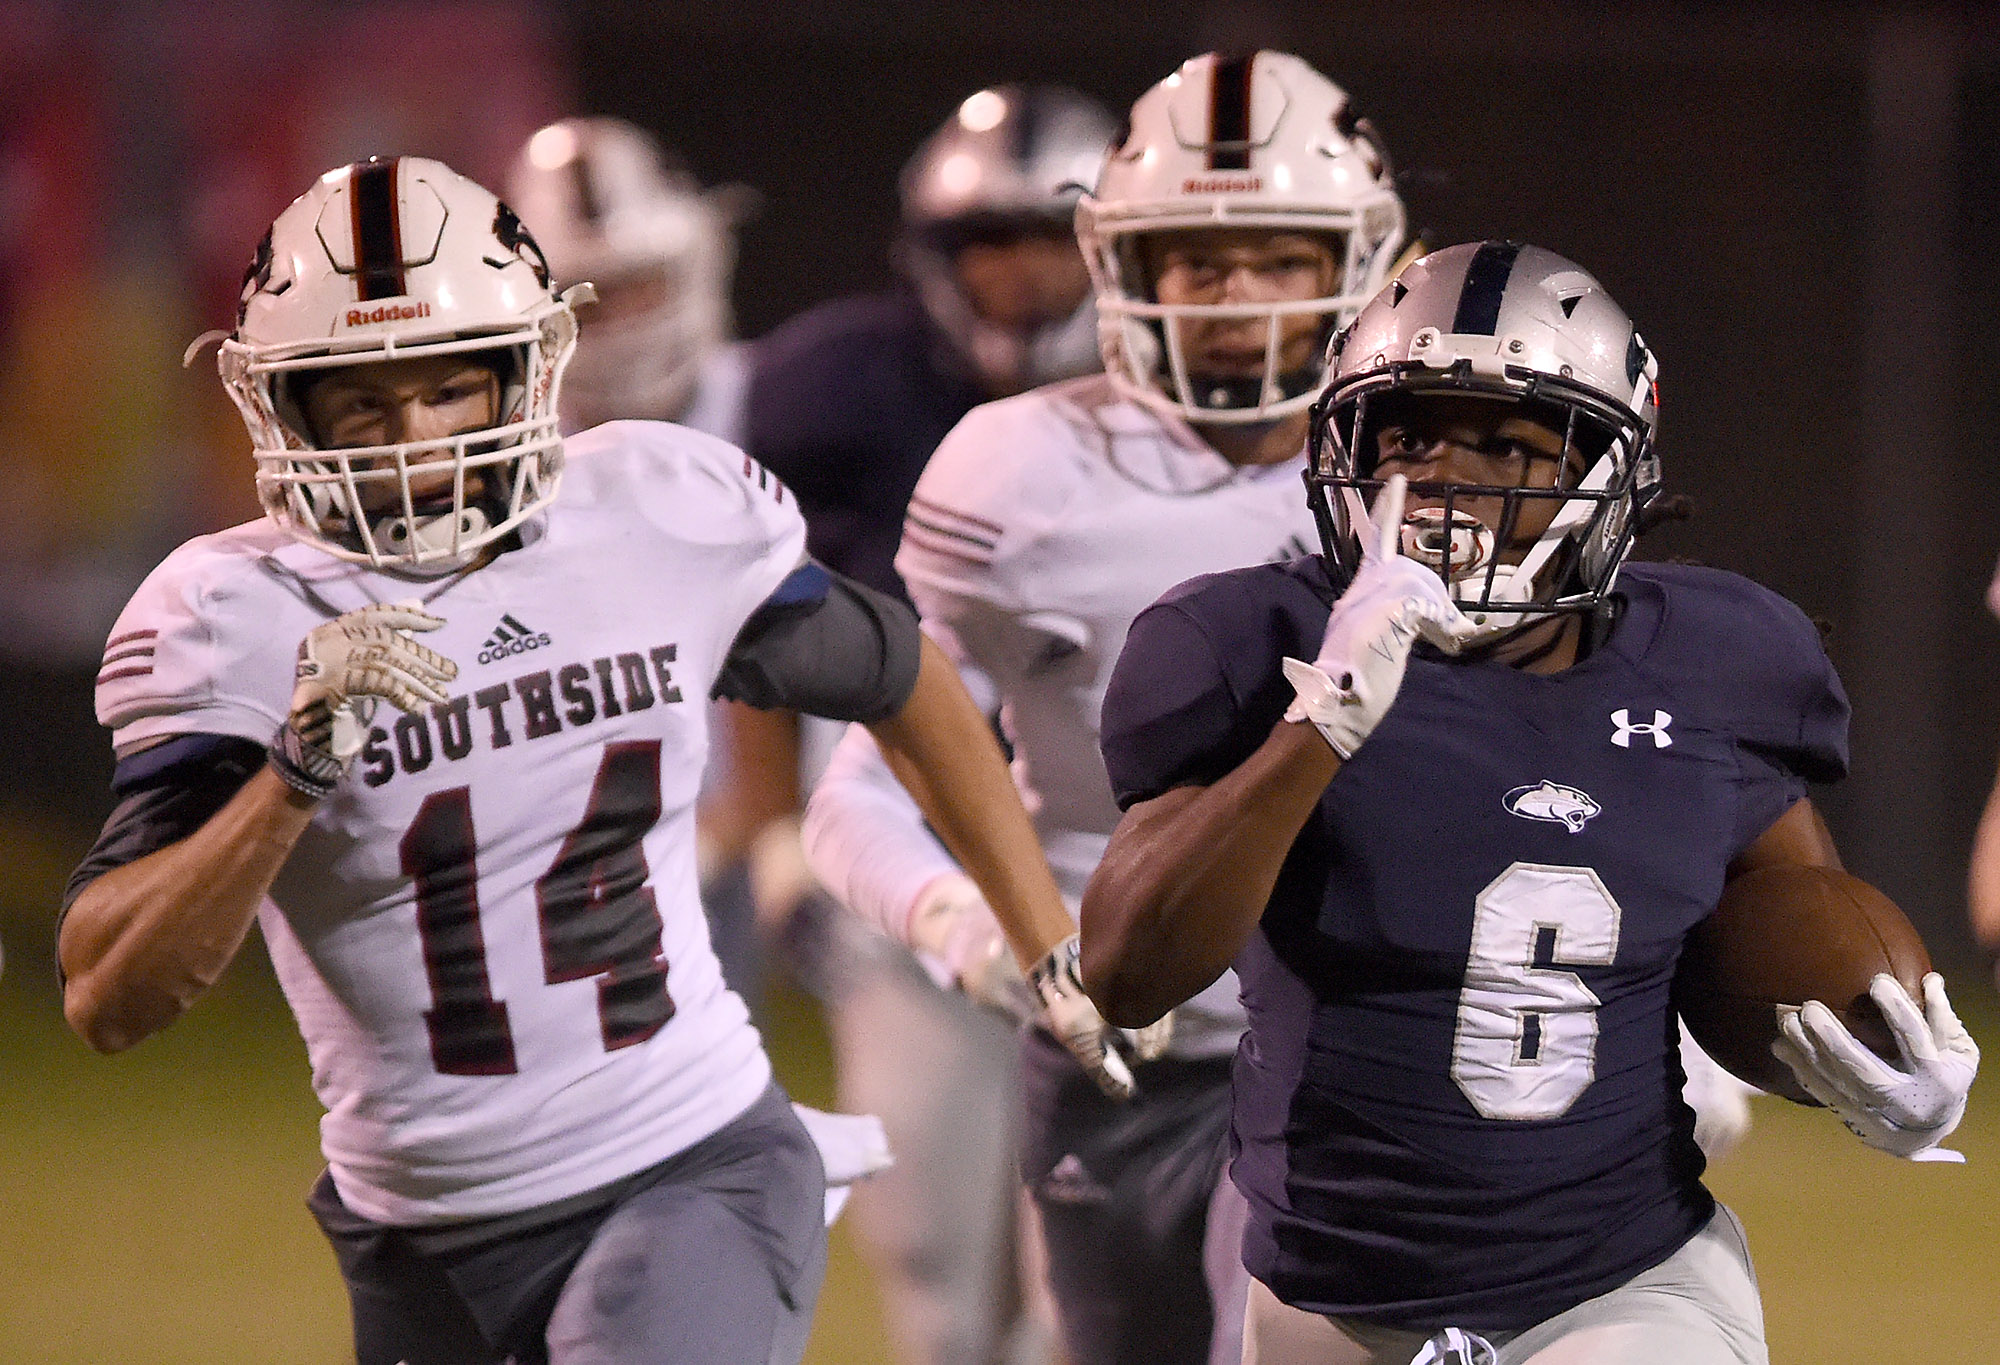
{"x": 960, "y": 944}
{"x": 1069, "y": 1014}
{"x": 1721, "y": 1103}
{"x": 1903, "y": 1110}
{"x": 1346, "y": 691}
{"x": 344, "y": 666}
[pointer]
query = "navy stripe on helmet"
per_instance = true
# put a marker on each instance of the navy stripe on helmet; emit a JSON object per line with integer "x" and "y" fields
{"x": 1485, "y": 286}
{"x": 378, "y": 238}
{"x": 1229, "y": 114}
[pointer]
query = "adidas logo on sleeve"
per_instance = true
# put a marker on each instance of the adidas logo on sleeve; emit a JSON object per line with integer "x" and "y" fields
{"x": 510, "y": 637}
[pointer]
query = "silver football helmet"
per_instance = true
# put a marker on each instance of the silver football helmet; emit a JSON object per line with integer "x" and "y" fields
{"x": 1262, "y": 141}
{"x": 1009, "y": 161}
{"x": 391, "y": 259}
{"x": 1497, "y": 320}
{"x": 608, "y": 206}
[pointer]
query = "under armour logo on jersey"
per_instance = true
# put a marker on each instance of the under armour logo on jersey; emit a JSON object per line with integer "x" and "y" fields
{"x": 1553, "y": 802}
{"x": 510, "y": 637}
{"x": 1656, "y": 729}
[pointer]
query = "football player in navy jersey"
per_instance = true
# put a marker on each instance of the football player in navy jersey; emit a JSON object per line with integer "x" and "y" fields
{"x": 1448, "y": 797}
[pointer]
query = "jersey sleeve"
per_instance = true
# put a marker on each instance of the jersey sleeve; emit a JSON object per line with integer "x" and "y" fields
{"x": 1761, "y": 664}
{"x": 980, "y": 512}
{"x": 1803, "y": 726}
{"x": 1200, "y": 684}
{"x": 1171, "y": 717}
{"x": 709, "y": 492}
{"x": 192, "y": 653}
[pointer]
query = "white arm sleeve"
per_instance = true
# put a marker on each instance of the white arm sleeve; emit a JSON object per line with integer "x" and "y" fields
{"x": 866, "y": 840}
{"x": 864, "y": 837}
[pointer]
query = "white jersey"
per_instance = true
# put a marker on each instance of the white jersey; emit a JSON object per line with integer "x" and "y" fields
{"x": 490, "y": 932}
{"x": 1043, "y": 524}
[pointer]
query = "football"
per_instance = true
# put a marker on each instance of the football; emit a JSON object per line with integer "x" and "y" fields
{"x": 1782, "y": 936}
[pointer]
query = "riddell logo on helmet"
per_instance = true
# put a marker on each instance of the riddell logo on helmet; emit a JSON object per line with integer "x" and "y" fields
{"x": 1221, "y": 184}
{"x": 388, "y": 312}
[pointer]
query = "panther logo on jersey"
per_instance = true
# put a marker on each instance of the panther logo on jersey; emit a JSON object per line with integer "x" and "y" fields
{"x": 1552, "y": 801}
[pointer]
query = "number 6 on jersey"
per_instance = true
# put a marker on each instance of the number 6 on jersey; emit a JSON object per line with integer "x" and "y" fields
{"x": 1526, "y": 1041}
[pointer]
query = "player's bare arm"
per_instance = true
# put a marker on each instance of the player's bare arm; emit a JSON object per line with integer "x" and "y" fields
{"x": 1188, "y": 874}
{"x": 1799, "y": 838}
{"x": 1190, "y": 881}
{"x": 943, "y": 751}
{"x": 143, "y": 942}
{"x": 1983, "y": 885}
{"x": 836, "y": 648}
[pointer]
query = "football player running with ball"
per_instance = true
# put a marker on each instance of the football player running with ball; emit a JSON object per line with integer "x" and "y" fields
{"x": 1449, "y": 797}
{"x": 1246, "y": 215}
{"x": 551, "y": 1131}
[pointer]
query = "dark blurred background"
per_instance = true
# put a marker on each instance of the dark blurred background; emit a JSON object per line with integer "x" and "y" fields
{"x": 1798, "y": 203}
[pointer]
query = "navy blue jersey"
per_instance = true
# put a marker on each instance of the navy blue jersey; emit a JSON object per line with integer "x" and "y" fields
{"x": 846, "y": 403}
{"x": 1458, "y": 1102}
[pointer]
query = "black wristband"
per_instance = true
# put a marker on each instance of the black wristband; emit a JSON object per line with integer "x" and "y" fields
{"x": 304, "y": 767}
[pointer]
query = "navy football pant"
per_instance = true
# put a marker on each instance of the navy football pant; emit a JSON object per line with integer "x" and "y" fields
{"x": 712, "y": 1257}
{"x": 1144, "y": 1231}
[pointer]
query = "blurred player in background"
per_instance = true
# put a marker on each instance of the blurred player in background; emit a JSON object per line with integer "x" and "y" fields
{"x": 1457, "y": 1114}
{"x": 551, "y": 1132}
{"x": 1246, "y": 214}
{"x": 1984, "y": 879}
{"x": 610, "y": 205}
{"x": 847, "y": 402}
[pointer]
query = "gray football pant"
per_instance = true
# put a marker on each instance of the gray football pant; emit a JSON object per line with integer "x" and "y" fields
{"x": 1697, "y": 1307}
{"x": 942, "y": 1229}
{"x": 712, "y": 1257}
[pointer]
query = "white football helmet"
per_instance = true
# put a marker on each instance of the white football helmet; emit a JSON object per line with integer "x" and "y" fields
{"x": 1011, "y": 160}
{"x": 1262, "y": 141}
{"x": 1514, "y": 322}
{"x": 608, "y": 206}
{"x": 389, "y": 259}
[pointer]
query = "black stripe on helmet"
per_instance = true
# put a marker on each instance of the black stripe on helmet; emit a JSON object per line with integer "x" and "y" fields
{"x": 589, "y": 206}
{"x": 1485, "y": 286}
{"x": 1024, "y": 124}
{"x": 378, "y": 237}
{"x": 1229, "y": 114}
